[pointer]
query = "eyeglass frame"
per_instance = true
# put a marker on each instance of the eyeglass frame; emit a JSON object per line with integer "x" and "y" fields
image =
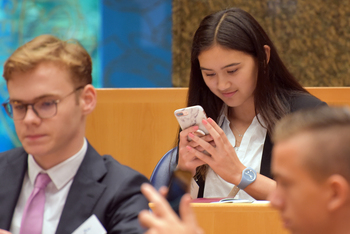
{"x": 6, "y": 104}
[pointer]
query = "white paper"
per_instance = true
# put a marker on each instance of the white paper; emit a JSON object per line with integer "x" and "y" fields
{"x": 261, "y": 202}
{"x": 91, "y": 226}
{"x": 232, "y": 200}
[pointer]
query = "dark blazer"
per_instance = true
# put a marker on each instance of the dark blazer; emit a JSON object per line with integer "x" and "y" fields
{"x": 297, "y": 102}
{"x": 101, "y": 186}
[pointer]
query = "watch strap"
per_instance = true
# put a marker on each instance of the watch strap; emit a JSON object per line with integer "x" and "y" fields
{"x": 244, "y": 181}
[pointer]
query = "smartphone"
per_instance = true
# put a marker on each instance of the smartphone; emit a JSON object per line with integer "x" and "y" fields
{"x": 191, "y": 116}
{"x": 179, "y": 184}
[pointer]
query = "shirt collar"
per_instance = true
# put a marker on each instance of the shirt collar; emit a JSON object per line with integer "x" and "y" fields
{"x": 62, "y": 173}
{"x": 223, "y": 117}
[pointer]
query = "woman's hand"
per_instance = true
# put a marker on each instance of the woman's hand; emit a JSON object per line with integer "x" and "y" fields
{"x": 163, "y": 219}
{"x": 188, "y": 161}
{"x": 225, "y": 163}
{"x": 223, "y": 159}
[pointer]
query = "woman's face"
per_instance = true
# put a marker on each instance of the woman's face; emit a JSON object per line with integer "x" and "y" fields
{"x": 229, "y": 74}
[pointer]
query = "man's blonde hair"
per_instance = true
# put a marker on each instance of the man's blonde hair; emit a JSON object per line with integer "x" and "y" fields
{"x": 47, "y": 48}
{"x": 330, "y": 129}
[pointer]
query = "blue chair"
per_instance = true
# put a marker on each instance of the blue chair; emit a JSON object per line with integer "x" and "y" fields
{"x": 162, "y": 172}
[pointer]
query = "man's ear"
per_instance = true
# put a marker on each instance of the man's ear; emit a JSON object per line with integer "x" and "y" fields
{"x": 339, "y": 192}
{"x": 88, "y": 99}
{"x": 267, "y": 52}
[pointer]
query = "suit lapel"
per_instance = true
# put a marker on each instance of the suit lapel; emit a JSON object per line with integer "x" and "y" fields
{"x": 84, "y": 192}
{"x": 12, "y": 171}
{"x": 265, "y": 167}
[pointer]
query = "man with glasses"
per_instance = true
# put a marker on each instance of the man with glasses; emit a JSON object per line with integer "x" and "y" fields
{"x": 57, "y": 182}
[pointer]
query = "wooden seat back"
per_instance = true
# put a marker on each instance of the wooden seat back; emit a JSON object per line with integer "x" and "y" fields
{"x": 137, "y": 126}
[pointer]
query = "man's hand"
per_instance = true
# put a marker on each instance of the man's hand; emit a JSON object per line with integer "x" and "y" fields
{"x": 163, "y": 219}
{"x": 4, "y": 232}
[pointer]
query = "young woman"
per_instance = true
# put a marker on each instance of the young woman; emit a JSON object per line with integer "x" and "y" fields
{"x": 244, "y": 88}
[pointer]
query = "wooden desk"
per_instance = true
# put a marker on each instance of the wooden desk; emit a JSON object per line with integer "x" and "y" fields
{"x": 241, "y": 218}
{"x": 137, "y": 126}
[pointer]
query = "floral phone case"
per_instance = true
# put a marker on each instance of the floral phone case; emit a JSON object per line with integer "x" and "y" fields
{"x": 191, "y": 116}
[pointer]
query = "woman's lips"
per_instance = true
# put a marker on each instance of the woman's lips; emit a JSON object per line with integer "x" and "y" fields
{"x": 230, "y": 94}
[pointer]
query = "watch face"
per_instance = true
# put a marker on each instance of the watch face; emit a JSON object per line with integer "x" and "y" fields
{"x": 249, "y": 175}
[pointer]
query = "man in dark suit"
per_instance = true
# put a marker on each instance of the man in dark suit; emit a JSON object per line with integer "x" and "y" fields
{"x": 311, "y": 160}
{"x": 49, "y": 84}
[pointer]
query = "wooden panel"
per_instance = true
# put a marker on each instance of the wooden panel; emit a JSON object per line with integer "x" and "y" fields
{"x": 238, "y": 218}
{"x": 338, "y": 96}
{"x": 137, "y": 126}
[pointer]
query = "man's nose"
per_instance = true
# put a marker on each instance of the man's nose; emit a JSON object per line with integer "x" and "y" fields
{"x": 31, "y": 115}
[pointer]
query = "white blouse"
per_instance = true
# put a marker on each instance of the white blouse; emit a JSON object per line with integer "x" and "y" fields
{"x": 249, "y": 153}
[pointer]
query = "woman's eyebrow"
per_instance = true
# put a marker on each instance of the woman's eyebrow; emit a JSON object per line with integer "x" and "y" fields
{"x": 206, "y": 69}
{"x": 229, "y": 65}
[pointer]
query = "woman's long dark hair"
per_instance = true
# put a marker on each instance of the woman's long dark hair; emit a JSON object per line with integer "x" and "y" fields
{"x": 237, "y": 30}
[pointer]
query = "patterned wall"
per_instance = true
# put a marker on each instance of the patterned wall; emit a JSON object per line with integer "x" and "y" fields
{"x": 312, "y": 37}
{"x": 21, "y": 21}
{"x": 136, "y": 43}
{"x": 129, "y": 40}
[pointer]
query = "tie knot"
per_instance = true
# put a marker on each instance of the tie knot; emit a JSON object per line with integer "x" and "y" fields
{"x": 42, "y": 180}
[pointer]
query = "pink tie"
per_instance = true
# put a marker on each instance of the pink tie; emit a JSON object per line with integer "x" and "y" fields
{"x": 32, "y": 219}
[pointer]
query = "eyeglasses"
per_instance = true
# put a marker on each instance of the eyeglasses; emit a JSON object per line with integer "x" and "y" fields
{"x": 44, "y": 108}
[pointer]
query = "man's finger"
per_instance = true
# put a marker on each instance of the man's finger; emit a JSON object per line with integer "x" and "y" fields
{"x": 186, "y": 213}
{"x": 161, "y": 206}
{"x": 146, "y": 219}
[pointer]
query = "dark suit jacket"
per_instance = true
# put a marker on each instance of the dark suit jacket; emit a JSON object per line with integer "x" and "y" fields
{"x": 297, "y": 102}
{"x": 101, "y": 186}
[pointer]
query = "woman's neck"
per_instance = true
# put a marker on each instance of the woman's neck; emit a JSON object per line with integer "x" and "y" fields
{"x": 240, "y": 120}
{"x": 243, "y": 114}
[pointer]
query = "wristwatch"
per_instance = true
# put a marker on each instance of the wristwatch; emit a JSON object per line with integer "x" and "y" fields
{"x": 248, "y": 177}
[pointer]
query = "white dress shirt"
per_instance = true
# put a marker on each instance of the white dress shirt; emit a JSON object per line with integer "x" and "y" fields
{"x": 249, "y": 153}
{"x": 56, "y": 191}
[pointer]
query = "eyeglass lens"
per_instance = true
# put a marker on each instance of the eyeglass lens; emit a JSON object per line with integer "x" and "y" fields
{"x": 45, "y": 108}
